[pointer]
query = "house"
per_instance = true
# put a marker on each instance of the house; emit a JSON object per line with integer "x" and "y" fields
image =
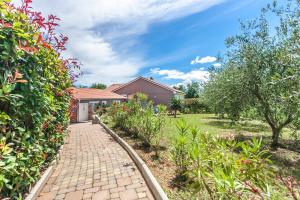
{"x": 84, "y": 100}
{"x": 157, "y": 92}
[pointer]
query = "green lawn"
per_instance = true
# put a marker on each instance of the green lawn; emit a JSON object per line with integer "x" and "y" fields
{"x": 212, "y": 124}
{"x": 286, "y": 159}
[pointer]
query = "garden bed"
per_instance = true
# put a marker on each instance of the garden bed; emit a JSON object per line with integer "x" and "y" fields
{"x": 287, "y": 159}
{"x": 163, "y": 169}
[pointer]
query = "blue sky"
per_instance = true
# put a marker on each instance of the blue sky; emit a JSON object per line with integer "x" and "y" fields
{"x": 118, "y": 40}
{"x": 174, "y": 44}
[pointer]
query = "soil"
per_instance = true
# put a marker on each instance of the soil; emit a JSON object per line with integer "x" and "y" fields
{"x": 162, "y": 168}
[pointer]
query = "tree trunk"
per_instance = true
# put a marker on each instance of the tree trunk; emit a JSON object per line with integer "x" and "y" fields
{"x": 275, "y": 137}
{"x": 175, "y": 112}
{"x": 275, "y": 125}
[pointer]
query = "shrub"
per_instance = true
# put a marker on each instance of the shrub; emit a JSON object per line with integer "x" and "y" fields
{"x": 149, "y": 125}
{"x": 138, "y": 119}
{"x": 101, "y": 109}
{"x": 33, "y": 96}
{"x": 118, "y": 113}
{"x": 223, "y": 173}
{"x": 133, "y": 116}
{"x": 195, "y": 105}
{"x": 226, "y": 169}
{"x": 176, "y": 105}
{"x": 179, "y": 152}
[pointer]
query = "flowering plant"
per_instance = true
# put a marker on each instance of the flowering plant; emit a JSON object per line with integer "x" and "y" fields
{"x": 34, "y": 100}
{"x": 227, "y": 169}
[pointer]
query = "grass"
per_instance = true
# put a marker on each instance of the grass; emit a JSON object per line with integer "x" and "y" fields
{"x": 214, "y": 125}
{"x": 285, "y": 159}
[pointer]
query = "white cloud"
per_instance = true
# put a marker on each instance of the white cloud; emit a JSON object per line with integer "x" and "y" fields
{"x": 102, "y": 32}
{"x": 187, "y": 77}
{"x": 207, "y": 59}
{"x": 217, "y": 65}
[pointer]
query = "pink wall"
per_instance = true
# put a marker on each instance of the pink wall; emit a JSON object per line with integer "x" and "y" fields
{"x": 156, "y": 93}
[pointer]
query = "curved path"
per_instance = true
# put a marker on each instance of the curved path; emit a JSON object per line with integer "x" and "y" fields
{"x": 94, "y": 166}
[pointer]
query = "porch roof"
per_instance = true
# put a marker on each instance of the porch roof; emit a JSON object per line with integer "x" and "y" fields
{"x": 94, "y": 94}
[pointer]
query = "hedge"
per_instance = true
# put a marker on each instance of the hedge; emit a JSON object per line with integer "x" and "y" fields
{"x": 33, "y": 96}
{"x": 195, "y": 105}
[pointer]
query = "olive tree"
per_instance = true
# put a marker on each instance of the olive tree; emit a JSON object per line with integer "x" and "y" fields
{"x": 225, "y": 93}
{"x": 262, "y": 69}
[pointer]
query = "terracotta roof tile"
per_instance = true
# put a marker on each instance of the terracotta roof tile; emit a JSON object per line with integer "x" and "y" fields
{"x": 93, "y": 94}
{"x": 113, "y": 87}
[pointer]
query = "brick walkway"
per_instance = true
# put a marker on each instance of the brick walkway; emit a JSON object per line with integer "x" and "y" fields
{"x": 94, "y": 166}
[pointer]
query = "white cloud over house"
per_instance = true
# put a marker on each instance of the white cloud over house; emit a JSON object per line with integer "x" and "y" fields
{"x": 94, "y": 26}
{"x": 217, "y": 65}
{"x": 203, "y": 60}
{"x": 199, "y": 75}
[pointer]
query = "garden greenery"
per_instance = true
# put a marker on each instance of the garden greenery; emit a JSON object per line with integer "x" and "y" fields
{"x": 193, "y": 90}
{"x": 140, "y": 118}
{"x": 33, "y": 96}
{"x": 261, "y": 70}
{"x": 195, "y": 105}
{"x": 226, "y": 169}
{"x": 176, "y": 105}
{"x": 98, "y": 86}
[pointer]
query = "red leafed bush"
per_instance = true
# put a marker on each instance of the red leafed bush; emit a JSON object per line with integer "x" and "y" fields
{"x": 34, "y": 100}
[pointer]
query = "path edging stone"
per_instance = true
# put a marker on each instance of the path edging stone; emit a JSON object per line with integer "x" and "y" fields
{"x": 37, "y": 188}
{"x": 151, "y": 181}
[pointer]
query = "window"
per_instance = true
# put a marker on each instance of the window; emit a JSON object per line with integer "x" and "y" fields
{"x": 104, "y": 103}
{"x": 93, "y": 104}
{"x": 117, "y": 101}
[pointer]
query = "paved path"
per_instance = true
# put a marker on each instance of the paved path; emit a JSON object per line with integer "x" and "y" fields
{"x": 94, "y": 166}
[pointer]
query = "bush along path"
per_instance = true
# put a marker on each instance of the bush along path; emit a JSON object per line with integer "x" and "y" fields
{"x": 223, "y": 168}
{"x": 204, "y": 166}
{"x": 94, "y": 166}
{"x": 33, "y": 95}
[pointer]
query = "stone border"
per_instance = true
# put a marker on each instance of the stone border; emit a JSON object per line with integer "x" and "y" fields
{"x": 37, "y": 188}
{"x": 152, "y": 183}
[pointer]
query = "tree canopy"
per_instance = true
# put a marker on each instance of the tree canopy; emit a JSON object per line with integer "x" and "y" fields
{"x": 98, "y": 86}
{"x": 180, "y": 87}
{"x": 192, "y": 90}
{"x": 262, "y": 69}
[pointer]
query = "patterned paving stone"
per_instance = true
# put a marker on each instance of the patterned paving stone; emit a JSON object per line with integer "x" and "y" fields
{"x": 94, "y": 166}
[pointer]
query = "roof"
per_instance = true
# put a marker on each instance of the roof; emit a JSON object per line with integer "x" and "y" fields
{"x": 93, "y": 94}
{"x": 148, "y": 80}
{"x": 113, "y": 87}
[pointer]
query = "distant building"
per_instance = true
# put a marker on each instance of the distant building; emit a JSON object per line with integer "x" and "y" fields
{"x": 157, "y": 92}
